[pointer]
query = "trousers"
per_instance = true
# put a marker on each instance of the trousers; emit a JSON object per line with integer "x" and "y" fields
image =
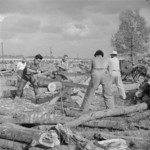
{"x": 99, "y": 77}
{"x": 116, "y": 79}
{"x": 24, "y": 80}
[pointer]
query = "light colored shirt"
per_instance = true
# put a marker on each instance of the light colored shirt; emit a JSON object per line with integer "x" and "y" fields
{"x": 64, "y": 65}
{"x": 21, "y": 66}
{"x": 115, "y": 64}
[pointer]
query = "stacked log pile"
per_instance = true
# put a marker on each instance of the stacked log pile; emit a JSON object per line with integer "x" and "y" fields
{"x": 24, "y": 125}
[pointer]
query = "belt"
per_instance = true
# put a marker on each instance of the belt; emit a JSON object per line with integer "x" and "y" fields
{"x": 99, "y": 68}
{"x": 115, "y": 70}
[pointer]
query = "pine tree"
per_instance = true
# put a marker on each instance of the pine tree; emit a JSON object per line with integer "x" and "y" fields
{"x": 132, "y": 35}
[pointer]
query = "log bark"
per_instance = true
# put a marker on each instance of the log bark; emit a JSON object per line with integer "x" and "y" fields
{"x": 106, "y": 113}
{"x": 35, "y": 119}
{"x": 112, "y": 135}
{"x": 11, "y": 108}
{"x": 109, "y": 124}
{"x": 43, "y": 82}
{"x": 138, "y": 116}
{"x": 24, "y": 135}
{"x": 7, "y": 144}
{"x": 30, "y": 118}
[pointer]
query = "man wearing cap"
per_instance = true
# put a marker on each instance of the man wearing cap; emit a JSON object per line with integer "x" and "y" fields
{"x": 32, "y": 68}
{"x": 116, "y": 75}
{"x": 100, "y": 74}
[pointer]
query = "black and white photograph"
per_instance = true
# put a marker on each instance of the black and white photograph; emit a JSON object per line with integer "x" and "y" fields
{"x": 74, "y": 74}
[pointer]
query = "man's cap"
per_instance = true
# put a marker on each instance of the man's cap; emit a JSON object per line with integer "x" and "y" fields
{"x": 114, "y": 53}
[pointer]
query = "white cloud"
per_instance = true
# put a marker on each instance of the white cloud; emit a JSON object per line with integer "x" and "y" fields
{"x": 73, "y": 29}
{"x": 145, "y": 12}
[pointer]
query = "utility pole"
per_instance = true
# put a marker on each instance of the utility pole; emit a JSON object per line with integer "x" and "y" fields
{"x": 2, "y": 52}
{"x": 50, "y": 52}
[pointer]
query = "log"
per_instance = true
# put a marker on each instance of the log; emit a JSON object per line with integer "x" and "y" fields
{"x": 38, "y": 118}
{"x": 111, "y": 135}
{"x": 11, "y": 108}
{"x": 7, "y": 144}
{"x": 55, "y": 86}
{"x": 47, "y": 98}
{"x": 106, "y": 113}
{"x": 61, "y": 147}
{"x": 4, "y": 119}
{"x": 43, "y": 82}
{"x": 35, "y": 118}
{"x": 24, "y": 135}
{"x": 138, "y": 116}
{"x": 109, "y": 124}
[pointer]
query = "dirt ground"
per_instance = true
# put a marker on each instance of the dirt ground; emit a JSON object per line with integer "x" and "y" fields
{"x": 98, "y": 104}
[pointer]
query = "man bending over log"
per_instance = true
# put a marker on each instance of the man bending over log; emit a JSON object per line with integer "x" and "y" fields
{"x": 100, "y": 74}
{"x": 29, "y": 72}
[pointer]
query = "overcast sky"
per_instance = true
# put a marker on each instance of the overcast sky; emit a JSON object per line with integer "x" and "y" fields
{"x": 73, "y": 27}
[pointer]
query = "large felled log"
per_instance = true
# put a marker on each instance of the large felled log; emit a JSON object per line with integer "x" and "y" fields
{"x": 55, "y": 86}
{"x": 107, "y": 113}
{"x": 4, "y": 119}
{"x": 25, "y": 135}
{"x": 110, "y": 124}
{"x": 7, "y": 144}
{"x": 39, "y": 118}
{"x": 11, "y": 107}
{"x": 113, "y": 135}
{"x": 35, "y": 118}
{"x": 138, "y": 116}
{"x": 44, "y": 82}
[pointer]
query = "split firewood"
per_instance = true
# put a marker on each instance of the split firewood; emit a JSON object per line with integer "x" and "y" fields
{"x": 106, "y": 113}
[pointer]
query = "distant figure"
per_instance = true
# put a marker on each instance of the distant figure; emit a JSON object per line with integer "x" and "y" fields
{"x": 116, "y": 75}
{"x": 20, "y": 67}
{"x": 64, "y": 65}
{"x": 29, "y": 72}
{"x": 100, "y": 74}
